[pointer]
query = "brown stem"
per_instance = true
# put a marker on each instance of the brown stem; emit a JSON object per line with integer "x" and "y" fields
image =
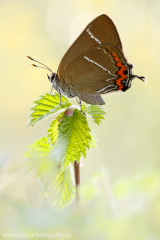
{"x": 77, "y": 179}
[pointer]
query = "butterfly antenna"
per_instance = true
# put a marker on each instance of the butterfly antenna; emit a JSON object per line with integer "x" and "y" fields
{"x": 39, "y": 63}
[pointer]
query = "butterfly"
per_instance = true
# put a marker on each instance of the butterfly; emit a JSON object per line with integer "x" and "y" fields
{"x": 94, "y": 64}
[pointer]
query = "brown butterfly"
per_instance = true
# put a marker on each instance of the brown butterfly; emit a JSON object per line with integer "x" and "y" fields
{"x": 94, "y": 64}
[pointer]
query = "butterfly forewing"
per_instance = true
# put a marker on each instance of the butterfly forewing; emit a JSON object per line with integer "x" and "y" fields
{"x": 100, "y": 30}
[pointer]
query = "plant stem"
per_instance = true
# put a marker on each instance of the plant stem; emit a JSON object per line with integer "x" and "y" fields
{"x": 77, "y": 180}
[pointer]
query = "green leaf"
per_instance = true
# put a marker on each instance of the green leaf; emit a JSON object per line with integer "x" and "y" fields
{"x": 73, "y": 139}
{"x": 47, "y": 105}
{"x": 37, "y": 152}
{"x": 53, "y": 129}
{"x": 56, "y": 186}
{"x": 96, "y": 113}
{"x": 62, "y": 191}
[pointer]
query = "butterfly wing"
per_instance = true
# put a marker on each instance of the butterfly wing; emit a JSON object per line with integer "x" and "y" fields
{"x": 98, "y": 70}
{"x": 93, "y": 99}
{"x": 100, "y": 30}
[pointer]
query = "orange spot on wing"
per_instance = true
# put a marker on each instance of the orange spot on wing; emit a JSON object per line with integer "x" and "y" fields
{"x": 120, "y": 71}
{"x": 116, "y": 59}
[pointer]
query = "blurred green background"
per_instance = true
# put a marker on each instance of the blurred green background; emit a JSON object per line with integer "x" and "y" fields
{"x": 121, "y": 178}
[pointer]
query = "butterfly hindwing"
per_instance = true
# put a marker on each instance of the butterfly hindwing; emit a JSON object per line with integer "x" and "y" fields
{"x": 97, "y": 71}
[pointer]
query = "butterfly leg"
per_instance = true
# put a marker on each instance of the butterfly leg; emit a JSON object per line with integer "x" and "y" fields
{"x": 60, "y": 98}
{"x": 79, "y": 102}
{"x": 51, "y": 89}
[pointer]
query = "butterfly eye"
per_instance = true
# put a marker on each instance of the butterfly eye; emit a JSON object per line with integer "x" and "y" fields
{"x": 125, "y": 72}
{"x": 52, "y": 77}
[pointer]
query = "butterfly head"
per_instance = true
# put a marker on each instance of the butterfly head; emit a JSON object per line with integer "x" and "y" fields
{"x": 52, "y": 77}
